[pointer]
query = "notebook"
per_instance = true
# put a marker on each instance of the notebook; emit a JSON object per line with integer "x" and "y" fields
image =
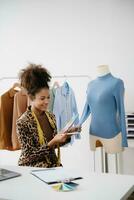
{"x": 7, "y": 174}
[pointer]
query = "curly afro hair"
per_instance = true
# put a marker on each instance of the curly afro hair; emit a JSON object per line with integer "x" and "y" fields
{"x": 34, "y": 77}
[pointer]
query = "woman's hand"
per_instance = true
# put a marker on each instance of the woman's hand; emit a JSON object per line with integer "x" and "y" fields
{"x": 74, "y": 129}
{"x": 58, "y": 139}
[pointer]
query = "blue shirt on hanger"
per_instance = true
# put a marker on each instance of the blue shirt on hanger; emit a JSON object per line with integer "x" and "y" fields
{"x": 65, "y": 106}
{"x": 105, "y": 102}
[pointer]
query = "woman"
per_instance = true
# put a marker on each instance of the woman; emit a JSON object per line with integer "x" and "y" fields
{"x": 36, "y": 128}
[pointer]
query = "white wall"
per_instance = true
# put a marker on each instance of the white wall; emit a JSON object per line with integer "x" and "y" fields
{"x": 69, "y": 37}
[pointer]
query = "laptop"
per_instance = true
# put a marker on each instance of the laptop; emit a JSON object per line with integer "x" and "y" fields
{"x": 7, "y": 174}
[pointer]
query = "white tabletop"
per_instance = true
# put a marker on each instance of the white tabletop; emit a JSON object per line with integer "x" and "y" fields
{"x": 92, "y": 187}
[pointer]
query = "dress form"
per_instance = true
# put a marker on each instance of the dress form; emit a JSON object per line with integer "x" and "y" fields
{"x": 105, "y": 103}
{"x": 102, "y": 70}
{"x": 112, "y": 145}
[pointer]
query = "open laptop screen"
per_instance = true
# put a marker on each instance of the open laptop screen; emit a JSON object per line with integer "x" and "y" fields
{"x": 6, "y": 174}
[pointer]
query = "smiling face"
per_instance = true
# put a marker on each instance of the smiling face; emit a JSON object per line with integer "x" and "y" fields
{"x": 41, "y": 99}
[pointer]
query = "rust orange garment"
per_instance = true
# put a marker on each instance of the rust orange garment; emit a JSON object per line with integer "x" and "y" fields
{"x": 19, "y": 107}
{"x": 6, "y": 114}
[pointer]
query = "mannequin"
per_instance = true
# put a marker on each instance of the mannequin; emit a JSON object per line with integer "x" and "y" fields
{"x": 105, "y": 103}
{"x": 102, "y": 70}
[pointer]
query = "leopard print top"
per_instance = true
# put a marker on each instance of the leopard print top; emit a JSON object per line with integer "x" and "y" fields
{"x": 32, "y": 153}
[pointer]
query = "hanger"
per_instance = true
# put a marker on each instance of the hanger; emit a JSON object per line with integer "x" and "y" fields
{"x": 65, "y": 78}
{"x": 16, "y": 86}
{"x": 56, "y": 84}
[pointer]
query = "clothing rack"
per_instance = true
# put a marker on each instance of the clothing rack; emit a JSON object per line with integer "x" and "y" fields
{"x": 8, "y": 77}
{"x": 56, "y": 76}
{"x": 72, "y": 76}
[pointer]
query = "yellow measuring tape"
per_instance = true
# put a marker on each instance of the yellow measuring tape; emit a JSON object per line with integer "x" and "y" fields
{"x": 42, "y": 140}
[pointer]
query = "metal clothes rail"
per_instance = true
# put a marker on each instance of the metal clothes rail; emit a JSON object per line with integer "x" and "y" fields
{"x": 56, "y": 76}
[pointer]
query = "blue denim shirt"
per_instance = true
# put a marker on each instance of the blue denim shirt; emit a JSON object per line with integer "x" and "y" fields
{"x": 65, "y": 105}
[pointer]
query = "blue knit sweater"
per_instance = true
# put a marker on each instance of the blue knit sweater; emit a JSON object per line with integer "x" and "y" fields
{"x": 105, "y": 103}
